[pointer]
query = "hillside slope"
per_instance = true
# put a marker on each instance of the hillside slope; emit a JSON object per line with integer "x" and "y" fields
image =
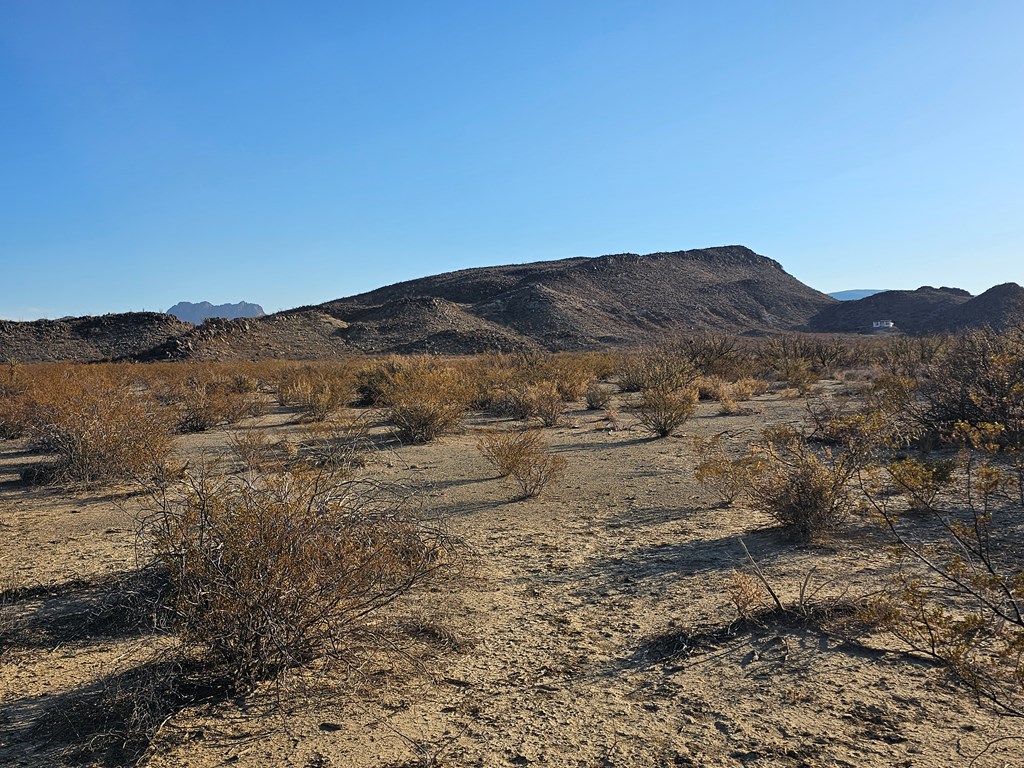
{"x": 999, "y": 307}
{"x": 586, "y": 302}
{"x": 913, "y": 312}
{"x": 568, "y": 304}
{"x": 88, "y": 339}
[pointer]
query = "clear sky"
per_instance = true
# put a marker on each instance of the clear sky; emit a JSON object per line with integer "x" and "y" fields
{"x": 290, "y": 153}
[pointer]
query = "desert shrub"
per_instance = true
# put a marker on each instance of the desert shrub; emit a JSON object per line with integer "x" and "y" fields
{"x": 662, "y": 411}
{"x": 506, "y": 449}
{"x": 665, "y": 368}
{"x": 570, "y": 374}
{"x": 747, "y": 387}
{"x": 798, "y": 374}
{"x": 920, "y": 480}
{"x": 336, "y": 444}
{"x": 322, "y": 397}
{"x": 957, "y": 594}
{"x": 375, "y": 380}
{"x": 14, "y": 414}
{"x": 275, "y": 570}
{"x": 599, "y": 396}
{"x": 805, "y": 487}
{"x": 102, "y": 430}
{"x": 545, "y": 401}
{"x": 524, "y": 456}
{"x": 712, "y": 354}
{"x": 258, "y": 452}
{"x": 798, "y": 360}
{"x": 425, "y": 400}
{"x": 909, "y": 357}
{"x": 978, "y": 378}
{"x": 603, "y": 365}
{"x": 243, "y": 384}
{"x": 13, "y": 406}
{"x": 711, "y": 387}
{"x": 201, "y": 407}
{"x": 727, "y": 476}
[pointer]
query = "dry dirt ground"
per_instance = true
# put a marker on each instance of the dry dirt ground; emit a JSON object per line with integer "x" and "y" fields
{"x": 589, "y": 627}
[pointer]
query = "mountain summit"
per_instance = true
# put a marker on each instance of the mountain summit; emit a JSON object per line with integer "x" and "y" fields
{"x": 197, "y": 313}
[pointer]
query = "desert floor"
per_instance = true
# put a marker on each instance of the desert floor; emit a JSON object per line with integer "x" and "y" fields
{"x": 591, "y": 626}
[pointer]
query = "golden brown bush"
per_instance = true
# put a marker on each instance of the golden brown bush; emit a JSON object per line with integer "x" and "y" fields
{"x": 599, "y": 396}
{"x": 375, "y": 380}
{"x": 725, "y": 475}
{"x": 425, "y": 399}
{"x": 662, "y": 411}
{"x": 665, "y": 368}
{"x": 14, "y": 414}
{"x": 101, "y": 429}
{"x": 957, "y": 594}
{"x": 545, "y": 401}
{"x": 275, "y": 570}
{"x": 805, "y": 488}
{"x": 524, "y": 456}
{"x": 747, "y": 387}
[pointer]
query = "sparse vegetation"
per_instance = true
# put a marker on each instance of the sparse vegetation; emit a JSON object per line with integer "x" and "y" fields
{"x": 274, "y": 570}
{"x": 523, "y": 456}
{"x": 100, "y": 429}
{"x": 662, "y": 410}
{"x": 292, "y": 558}
{"x": 425, "y": 400}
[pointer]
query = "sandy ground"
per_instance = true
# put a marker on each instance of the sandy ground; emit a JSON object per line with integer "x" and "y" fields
{"x": 589, "y": 627}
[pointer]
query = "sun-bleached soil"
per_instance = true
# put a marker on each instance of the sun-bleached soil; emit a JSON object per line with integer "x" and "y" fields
{"x": 591, "y": 626}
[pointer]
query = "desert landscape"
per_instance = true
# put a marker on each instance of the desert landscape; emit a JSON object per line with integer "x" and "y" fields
{"x": 709, "y": 552}
{"x": 541, "y": 384}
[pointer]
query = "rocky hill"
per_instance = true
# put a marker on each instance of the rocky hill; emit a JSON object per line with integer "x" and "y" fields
{"x": 999, "y": 307}
{"x": 87, "y": 339}
{"x": 569, "y": 304}
{"x": 197, "y": 313}
{"x": 583, "y": 303}
{"x": 926, "y": 311}
{"x": 913, "y": 312}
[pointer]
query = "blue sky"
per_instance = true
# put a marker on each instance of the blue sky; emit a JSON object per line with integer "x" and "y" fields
{"x": 293, "y": 153}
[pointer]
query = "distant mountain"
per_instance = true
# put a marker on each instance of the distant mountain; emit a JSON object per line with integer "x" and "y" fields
{"x": 915, "y": 312}
{"x": 197, "y": 313}
{"x": 857, "y": 293}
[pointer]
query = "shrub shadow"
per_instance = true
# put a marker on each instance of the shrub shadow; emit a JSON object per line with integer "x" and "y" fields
{"x": 116, "y": 606}
{"x": 110, "y": 722}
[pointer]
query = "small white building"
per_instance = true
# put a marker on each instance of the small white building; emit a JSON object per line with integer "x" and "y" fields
{"x": 882, "y": 324}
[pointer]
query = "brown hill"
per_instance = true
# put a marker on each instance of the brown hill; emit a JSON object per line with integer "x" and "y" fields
{"x": 569, "y": 304}
{"x": 914, "y": 312}
{"x": 999, "y": 307}
{"x": 88, "y": 339}
{"x": 582, "y": 303}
